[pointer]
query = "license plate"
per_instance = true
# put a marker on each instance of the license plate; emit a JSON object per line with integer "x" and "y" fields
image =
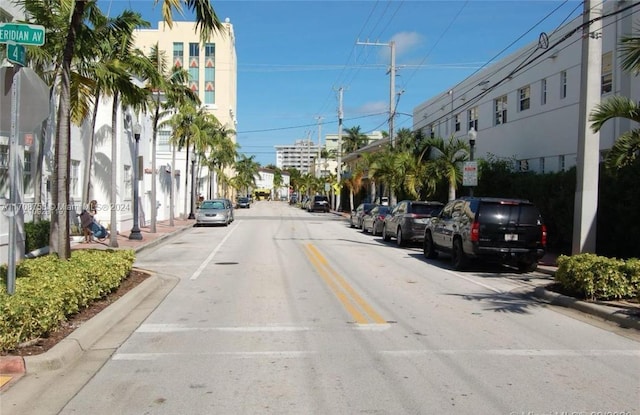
{"x": 510, "y": 236}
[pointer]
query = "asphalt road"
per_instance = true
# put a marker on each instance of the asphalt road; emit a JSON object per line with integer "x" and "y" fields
{"x": 289, "y": 312}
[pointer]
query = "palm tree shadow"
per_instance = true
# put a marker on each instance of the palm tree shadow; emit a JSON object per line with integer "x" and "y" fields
{"x": 503, "y": 302}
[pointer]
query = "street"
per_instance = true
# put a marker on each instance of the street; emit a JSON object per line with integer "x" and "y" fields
{"x": 290, "y": 312}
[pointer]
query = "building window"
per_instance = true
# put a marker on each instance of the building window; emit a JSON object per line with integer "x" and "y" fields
{"x": 543, "y": 91}
{"x": 561, "y": 163}
{"x": 210, "y": 73}
{"x": 500, "y": 110}
{"x": 456, "y": 122}
{"x": 525, "y": 97}
{"x": 74, "y": 174}
{"x": 128, "y": 189}
{"x": 607, "y": 74}
{"x": 164, "y": 140}
{"x": 563, "y": 84}
{"x": 472, "y": 117}
{"x": 194, "y": 66}
{"x": 26, "y": 174}
{"x": 542, "y": 165}
{"x": 178, "y": 54}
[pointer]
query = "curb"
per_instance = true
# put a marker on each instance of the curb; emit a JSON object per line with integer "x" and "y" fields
{"x": 603, "y": 312}
{"x": 71, "y": 348}
{"x": 163, "y": 238}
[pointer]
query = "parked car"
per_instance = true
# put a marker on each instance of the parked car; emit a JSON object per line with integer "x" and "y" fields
{"x": 243, "y": 203}
{"x": 318, "y": 203}
{"x": 407, "y": 220}
{"x": 508, "y": 231}
{"x": 355, "y": 219}
{"x": 214, "y": 212}
{"x": 373, "y": 221}
{"x": 230, "y": 204}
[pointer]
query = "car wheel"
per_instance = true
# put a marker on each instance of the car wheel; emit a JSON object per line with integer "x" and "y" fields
{"x": 427, "y": 247}
{"x": 399, "y": 238}
{"x": 385, "y": 236}
{"x": 458, "y": 257}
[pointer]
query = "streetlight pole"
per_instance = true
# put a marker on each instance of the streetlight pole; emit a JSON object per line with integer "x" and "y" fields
{"x": 135, "y": 230}
{"x": 193, "y": 183}
{"x": 473, "y": 134}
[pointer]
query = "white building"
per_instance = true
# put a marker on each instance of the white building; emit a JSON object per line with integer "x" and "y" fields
{"x": 217, "y": 88}
{"x": 526, "y": 106}
{"x": 265, "y": 184}
{"x": 299, "y": 156}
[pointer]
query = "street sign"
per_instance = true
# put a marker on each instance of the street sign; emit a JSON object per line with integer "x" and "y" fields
{"x": 22, "y": 34}
{"x": 16, "y": 54}
{"x": 470, "y": 173}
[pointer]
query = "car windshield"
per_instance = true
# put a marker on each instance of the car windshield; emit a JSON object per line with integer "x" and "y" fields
{"x": 212, "y": 204}
{"x": 243, "y": 200}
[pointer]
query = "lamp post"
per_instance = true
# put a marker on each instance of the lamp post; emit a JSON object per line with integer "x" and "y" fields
{"x": 193, "y": 183}
{"x": 135, "y": 230}
{"x": 473, "y": 134}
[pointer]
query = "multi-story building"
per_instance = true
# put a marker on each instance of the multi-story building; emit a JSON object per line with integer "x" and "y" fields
{"x": 212, "y": 69}
{"x": 526, "y": 106}
{"x": 213, "y": 65}
{"x": 266, "y": 186}
{"x": 299, "y": 155}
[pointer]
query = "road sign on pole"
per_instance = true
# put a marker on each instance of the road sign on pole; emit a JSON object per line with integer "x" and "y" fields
{"x": 16, "y": 54}
{"x": 22, "y": 34}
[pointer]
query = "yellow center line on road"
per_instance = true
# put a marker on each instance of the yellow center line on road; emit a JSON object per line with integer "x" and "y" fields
{"x": 359, "y": 309}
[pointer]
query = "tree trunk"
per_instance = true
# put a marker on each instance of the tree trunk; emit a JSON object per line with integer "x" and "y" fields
{"x": 86, "y": 180}
{"x": 59, "y": 238}
{"x": 113, "y": 227}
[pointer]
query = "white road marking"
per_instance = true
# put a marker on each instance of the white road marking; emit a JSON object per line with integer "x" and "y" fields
{"x": 171, "y": 328}
{"x": 213, "y": 253}
{"x": 495, "y": 290}
{"x": 516, "y": 352}
{"x": 293, "y": 354}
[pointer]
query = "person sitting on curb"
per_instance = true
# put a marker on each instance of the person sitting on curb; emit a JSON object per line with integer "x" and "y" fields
{"x": 86, "y": 219}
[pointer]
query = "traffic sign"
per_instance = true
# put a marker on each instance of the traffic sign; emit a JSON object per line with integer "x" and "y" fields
{"x": 22, "y": 34}
{"x": 16, "y": 54}
{"x": 470, "y": 173}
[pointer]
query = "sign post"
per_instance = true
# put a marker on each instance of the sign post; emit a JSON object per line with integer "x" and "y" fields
{"x": 16, "y": 35}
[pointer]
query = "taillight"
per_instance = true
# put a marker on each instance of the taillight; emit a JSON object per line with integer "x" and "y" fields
{"x": 475, "y": 232}
{"x": 543, "y": 237}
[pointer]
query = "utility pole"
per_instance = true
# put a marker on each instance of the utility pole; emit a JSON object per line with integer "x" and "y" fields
{"x": 339, "y": 156}
{"x": 308, "y": 152}
{"x": 392, "y": 84}
{"x": 319, "y": 145}
{"x": 586, "y": 198}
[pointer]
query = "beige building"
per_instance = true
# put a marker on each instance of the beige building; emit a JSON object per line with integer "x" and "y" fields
{"x": 212, "y": 68}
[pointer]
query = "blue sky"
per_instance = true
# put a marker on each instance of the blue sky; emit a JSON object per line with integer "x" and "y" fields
{"x": 294, "y": 55}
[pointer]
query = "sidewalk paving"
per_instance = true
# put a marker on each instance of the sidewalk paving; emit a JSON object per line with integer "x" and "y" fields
{"x": 13, "y": 367}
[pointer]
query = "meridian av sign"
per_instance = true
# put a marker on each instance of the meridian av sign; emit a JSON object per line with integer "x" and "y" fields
{"x": 22, "y": 34}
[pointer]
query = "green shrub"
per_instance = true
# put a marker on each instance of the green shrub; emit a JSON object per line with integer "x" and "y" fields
{"x": 598, "y": 278}
{"x": 48, "y": 290}
{"x": 36, "y": 235}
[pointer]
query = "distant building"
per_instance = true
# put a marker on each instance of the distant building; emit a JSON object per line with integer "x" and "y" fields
{"x": 526, "y": 106}
{"x": 265, "y": 184}
{"x": 299, "y": 156}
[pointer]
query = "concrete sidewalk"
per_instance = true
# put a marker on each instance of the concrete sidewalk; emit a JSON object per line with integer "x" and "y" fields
{"x": 13, "y": 367}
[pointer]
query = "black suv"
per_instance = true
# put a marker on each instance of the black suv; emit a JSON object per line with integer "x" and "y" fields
{"x": 508, "y": 231}
{"x": 319, "y": 203}
{"x": 407, "y": 220}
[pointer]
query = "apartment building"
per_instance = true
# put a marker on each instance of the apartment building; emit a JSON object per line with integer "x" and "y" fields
{"x": 299, "y": 155}
{"x": 526, "y": 106}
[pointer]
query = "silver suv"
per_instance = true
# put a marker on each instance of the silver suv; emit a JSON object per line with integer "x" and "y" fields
{"x": 508, "y": 231}
{"x": 318, "y": 203}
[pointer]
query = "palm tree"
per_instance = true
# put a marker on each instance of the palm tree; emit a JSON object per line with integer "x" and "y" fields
{"x": 445, "y": 159}
{"x": 207, "y": 22}
{"x": 173, "y": 84}
{"x": 626, "y": 148}
{"x": 353, "y": 140}
{"x": 246, "y": 171}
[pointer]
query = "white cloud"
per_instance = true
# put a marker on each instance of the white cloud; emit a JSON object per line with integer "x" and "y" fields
{"x": 405, "y": 43}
